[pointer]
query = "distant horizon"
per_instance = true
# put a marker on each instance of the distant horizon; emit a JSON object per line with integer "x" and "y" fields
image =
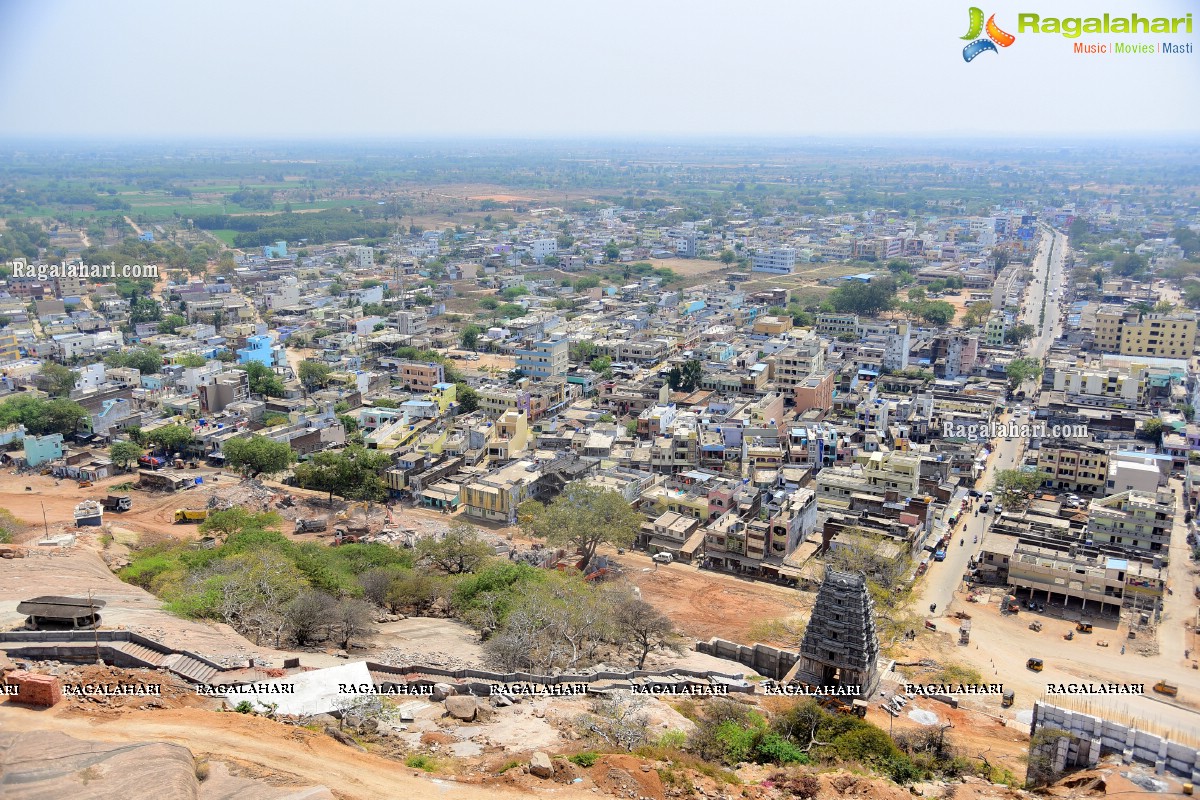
{"x": 1057, "y": 139}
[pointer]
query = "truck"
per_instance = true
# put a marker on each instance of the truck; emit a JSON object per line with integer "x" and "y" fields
{"x": 118, "y": 502}
{"x": 152, "y": 462}
{"x": 191, "y": 514}
{"x": 1162, "y": 687}
{"x": 311, "y": 525}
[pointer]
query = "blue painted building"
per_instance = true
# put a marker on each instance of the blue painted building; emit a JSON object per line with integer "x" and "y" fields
{"x": 259, "y": 348}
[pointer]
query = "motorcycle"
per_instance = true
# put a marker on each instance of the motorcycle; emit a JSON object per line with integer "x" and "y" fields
{"x": 974, "y": 539}
{"x": 932, "y": 607}
{"x": 960, "y": 542}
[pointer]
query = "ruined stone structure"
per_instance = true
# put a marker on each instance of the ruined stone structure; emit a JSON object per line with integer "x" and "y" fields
{"x": 840, "y": 647}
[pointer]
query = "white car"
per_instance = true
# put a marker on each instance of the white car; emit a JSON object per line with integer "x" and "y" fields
{"x": 663, "y": 558}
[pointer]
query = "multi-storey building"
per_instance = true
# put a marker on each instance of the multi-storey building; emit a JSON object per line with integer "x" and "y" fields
{"x": 1140, "y": 522}
{"x": 1074, "y": 465}
{"x": 780, "y": 261}
{"x": 545, "y": 359}
{"x": 1134, "y": 333}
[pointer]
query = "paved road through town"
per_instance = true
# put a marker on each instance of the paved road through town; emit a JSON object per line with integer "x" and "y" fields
{"x": 944, "y": 577}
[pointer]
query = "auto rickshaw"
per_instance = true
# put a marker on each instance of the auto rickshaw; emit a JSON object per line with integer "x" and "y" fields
{"x": 1034, "y": 664}
{"x": 1008, "y": 699}
{"x": 1083, "y": 627}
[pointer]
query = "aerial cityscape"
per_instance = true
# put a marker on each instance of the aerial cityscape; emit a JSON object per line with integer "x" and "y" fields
{"x": 354, "y": 449}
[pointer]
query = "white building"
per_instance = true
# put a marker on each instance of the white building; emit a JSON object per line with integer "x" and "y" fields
{"x": 540, "y": 249}
{"x": 780, "y": 261}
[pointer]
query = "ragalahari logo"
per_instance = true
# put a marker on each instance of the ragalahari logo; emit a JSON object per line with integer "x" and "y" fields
{"x": 995, "y": 36}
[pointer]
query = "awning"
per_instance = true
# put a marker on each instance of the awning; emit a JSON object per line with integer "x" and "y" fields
{"x": 692, "y": 544}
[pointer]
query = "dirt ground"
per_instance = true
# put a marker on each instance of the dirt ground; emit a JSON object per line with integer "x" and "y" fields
{"x": 706, "y": 604}
{"x": 294, "y": 754}
{"x": 1000, "y": 645}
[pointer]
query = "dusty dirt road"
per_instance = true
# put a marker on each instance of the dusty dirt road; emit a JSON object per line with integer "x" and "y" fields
{"x": 304, "y": 756}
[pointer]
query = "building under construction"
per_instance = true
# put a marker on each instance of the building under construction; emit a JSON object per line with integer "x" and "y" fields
{"x": 840, "y": 647}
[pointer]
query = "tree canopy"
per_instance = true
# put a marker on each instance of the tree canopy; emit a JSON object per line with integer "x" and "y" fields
{"x": 583, "y": 517}
{"x": 254, "y": 455}
{"x": 1022, "y": 369}
{"x": 41, "y": 417}
{"x": 854, "y": 297}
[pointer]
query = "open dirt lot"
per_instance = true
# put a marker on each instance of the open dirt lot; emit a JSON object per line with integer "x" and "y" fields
{"x": 707, "y": 604}
{"x": 1000, "y": 645}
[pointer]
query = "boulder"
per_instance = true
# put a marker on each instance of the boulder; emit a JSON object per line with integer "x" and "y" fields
{"x": 442, "y": 690}
{"x": 541, "y": 766}
{"x": 461, "y": 706}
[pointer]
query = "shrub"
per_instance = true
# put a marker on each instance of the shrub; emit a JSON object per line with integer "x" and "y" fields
{"x": 244, "y": 707}
{"x": 421, "y": 762}
{"x": 773, "y": 749}
{"x": 584, "y": 760}
{"x": 799, "y": 784}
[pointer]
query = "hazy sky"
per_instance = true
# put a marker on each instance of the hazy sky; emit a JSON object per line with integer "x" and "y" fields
{"x": 547, "y": 68}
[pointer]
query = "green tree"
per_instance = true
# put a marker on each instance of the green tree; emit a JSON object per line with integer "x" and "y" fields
{"x": 865, "y": 298}
{"x": 460, "y": 550}
{"x": 466, "y": 397}
{"x": 611, "y": 252}
{"x": 582, "y": 351}
{"x": 728, "y": 256}
{"x": 470, "y": 336}
{"x": 601, "y": 364}
{"x": 171, "y": 438}
{"x": 582, "y": 517}
{"x": 352, "y": 473}
{"x": 1019, "y": 333}
{"x": 57, "y": 380}
{"x": 263, "y": 380}
{"x": 171, "y": 323}
{"x": 977, "y": 314}
{"x": 938, "y": 312}
{"x": 916, "y": 294}
{"x": 146, "y": 360}
{"x": 1151, "y": 430}
{"x": 314, "y": 375}
{"x": 1022, "y": 369}
{"x": 125, "y": 453}
{"x": 1015, "y": 488}
{"x": 685, "y": 378}
{"x": 41, "y": 417}
{"x": 254, "y": 455}
{"x": 191, "y": 360}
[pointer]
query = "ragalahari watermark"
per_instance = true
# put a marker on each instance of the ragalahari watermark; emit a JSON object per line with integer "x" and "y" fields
{"x": 78, "y": 269}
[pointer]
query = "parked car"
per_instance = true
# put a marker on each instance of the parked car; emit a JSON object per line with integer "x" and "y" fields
{"x": 984, "y": 508}
{"x": 999, "y": 509}
{"x": 663, "y": 558}
{"x": 940, "y": 555}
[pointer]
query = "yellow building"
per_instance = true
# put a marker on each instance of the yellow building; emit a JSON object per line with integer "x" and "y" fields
{"x": 497, "y": 495}
{"x": 1076, "y": 466}
{"x": 773, "y": 325}
{"x": 9, "y": 351}
{"x": 1132, "y": 333}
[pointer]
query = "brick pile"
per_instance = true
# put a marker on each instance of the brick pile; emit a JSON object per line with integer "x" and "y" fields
{"x": 33, "y": 689}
